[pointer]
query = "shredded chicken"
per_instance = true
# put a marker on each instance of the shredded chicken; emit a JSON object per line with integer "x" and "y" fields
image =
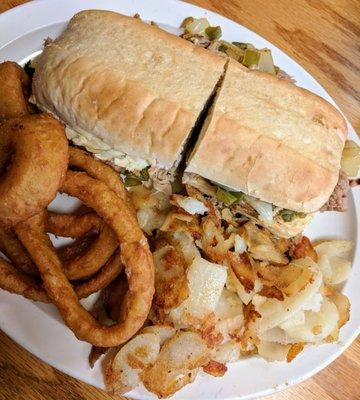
{"x": 160, "y": 179}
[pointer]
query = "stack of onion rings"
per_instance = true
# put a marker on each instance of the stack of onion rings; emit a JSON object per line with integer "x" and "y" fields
{"x": 34, "y": 158}
{"x": 135, "y": 254}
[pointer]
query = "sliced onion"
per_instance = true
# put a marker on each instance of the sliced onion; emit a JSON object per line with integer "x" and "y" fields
{"x": 191, "y": 205}
{"x": 240, "y": 244}
{"x": 264, "y": 209}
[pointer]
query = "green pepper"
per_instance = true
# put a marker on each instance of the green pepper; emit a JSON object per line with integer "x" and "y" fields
{"x": 144, "y": 174}
{"x": 213, "y": 32}
{"x": 131, "y": 180}
{"x": 243, "y": 46}
{"x": 231, "y": 50}
{"x": 251, "y": 57}
{"x": 228, "y": 197}
{"x": 287, "y": 215}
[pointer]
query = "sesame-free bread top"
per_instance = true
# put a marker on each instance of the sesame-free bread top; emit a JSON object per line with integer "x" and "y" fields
{"x": 131, "y": 84}
{"x": 271, "y": 139}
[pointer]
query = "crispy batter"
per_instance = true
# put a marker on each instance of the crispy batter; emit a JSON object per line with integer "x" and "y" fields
{"x": 135, "y": 253}
{"x": 72, "y": 225}
{"x": 31, "y": 182}
{"x": 11, "y": 246}
{"x": 294, "y": 350}
{"x": 14, "y": 91}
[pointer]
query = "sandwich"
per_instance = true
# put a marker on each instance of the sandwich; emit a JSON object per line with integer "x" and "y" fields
{"x": 127, "y": 91}
{"x": 275, "y": 151}
{"x": 134, "y": 95}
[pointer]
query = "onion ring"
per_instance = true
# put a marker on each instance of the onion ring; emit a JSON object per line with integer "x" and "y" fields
{"x": 11, "y": 246}
{"x": 80, "y": 260}
{"x": 135, "y": 254}
{"x": 97, "y": 254}
{"x": 17, "y": 282}
{"x": 97, "y": 170}
{"x": 79, "y": 265}
{"x": 107, "y": 274}
{"x": 14, "y": 91}
{"x": 31, "y": 182}
{"x": 72, "y": 225}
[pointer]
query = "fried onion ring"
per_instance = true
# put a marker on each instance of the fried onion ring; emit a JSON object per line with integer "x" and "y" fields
{"x": 38, "y": 164}
{"x": 17, "y": 282}
{"x": 97, "y": 170}
{"x": 95, "y": 253}
{"x": 107, "y": 274}
{"x": 72, "y": 225}
{"x": 11, "y": 246}
{"x": 14, "y": 91}
{"x": 94, "y": 257}
{"x": 135, "y": 254}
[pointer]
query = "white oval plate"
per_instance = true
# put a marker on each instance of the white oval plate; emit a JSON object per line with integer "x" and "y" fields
{"x": 39, "y": 328}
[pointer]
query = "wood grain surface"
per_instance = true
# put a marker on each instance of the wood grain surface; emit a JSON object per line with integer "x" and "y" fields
{"x": 324, "y": 37}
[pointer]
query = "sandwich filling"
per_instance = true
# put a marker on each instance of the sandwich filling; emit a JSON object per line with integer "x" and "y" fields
{"x": 134, "y": 170}
{"x": 240, "y": 205}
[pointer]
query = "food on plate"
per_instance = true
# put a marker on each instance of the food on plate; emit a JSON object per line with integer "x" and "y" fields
{"x": 225, "y": 292}
{"x": 147, "y": 143}
{"x": 14, "y": 91}
{"x": 18, "y": 282}
{"x": 271, "y": 166}
{"x": 350, "y": 161}
{"x": 83, "y": 161}
{"x": 203, "y": 151}
{"x": 137, "y": 116}
{"x": 30, "y": 183}
{"x": 135, "y": 255}
{"x": 15, "y": 251}
{"x": 88, "y": 262}
{"x": 72, "y": 225}
{"x": 105, "y": 276}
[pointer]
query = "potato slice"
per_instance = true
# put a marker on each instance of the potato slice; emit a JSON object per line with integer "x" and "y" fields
{"x": 164, "y": 332}
{"x": 317, "y": 325}
{"x": 122, "y": 375}
{"x": 206, "y": 281}
{"x": 333, "y": 260}
{"x": 271, "y": 351}
{"x": 177, "y": 364}
{"x": 274, "y": 312}
{"x": 228, "y": 352}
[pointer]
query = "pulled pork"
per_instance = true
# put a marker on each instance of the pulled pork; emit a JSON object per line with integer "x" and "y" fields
{"x": 338, "y": 199}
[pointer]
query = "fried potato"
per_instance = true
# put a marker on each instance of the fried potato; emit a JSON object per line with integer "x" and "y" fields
{"x": 177, "y": 364}
{"x": 122, "y": 374}
{"x": 228, "y": 352}
{"x": 274, "y": 312}
{"x": 332, "y": 260}
{"x": 261, "y": 247}
{"x": 317, "y": 325}
{"x": 206, "y": 281}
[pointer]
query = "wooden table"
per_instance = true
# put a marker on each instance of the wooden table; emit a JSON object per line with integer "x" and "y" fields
{"x": 324, "y": 37}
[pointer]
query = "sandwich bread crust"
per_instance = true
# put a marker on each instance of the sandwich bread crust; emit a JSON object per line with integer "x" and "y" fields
{"x": 131, "y": 84}
{"x": 272, "y": 140}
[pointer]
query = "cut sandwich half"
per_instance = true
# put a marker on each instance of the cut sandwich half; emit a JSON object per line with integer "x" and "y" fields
{"x": 128, "y": 91}
{"x": 268, "y": 150}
